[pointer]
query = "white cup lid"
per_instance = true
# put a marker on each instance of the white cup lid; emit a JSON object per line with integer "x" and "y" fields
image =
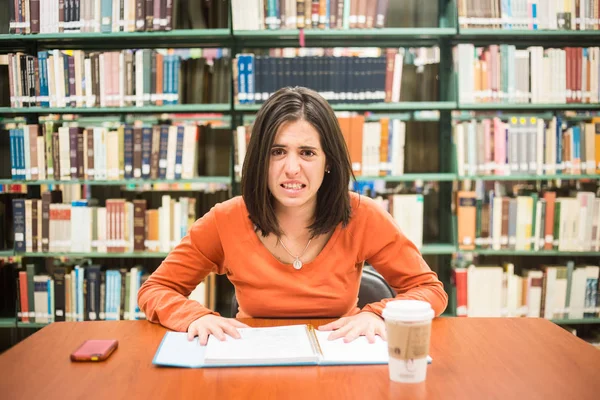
{"x": 408, "y": 310}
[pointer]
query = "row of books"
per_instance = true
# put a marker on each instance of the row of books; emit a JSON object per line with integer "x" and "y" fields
{"x": 89, "y": 292}
{"x": 377, "y": 148}
{"x": 505, "y": 74}
{"x": 340, "y": 75}
{"x": 73, "y": 16}
{"x": 527, "y": 145}
{"x": 551, "y": 292}
{"x": 528, "y": 221}
{"x": 138, "y": 78}
{"x": 46, "y": 225}
{"x": 529, "y": 14}
{"x": 117, "y": 152}
{"x": 332, "y": 14}
{"x": 410, "y": 223}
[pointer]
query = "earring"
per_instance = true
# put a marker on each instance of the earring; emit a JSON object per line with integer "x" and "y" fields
{"x": 328, "y": 171}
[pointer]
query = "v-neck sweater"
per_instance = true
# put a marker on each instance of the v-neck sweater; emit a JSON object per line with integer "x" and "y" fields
{"x": 223, "y": 241}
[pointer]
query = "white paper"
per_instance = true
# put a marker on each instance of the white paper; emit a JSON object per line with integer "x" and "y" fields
{"x": 176, "y": 350}
{"x": 259, "y": 346}
{"x": 359, "y": 351}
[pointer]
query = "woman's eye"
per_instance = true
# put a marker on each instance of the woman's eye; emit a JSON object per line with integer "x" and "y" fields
{"x": 276, "y": 152}
{"x": 308, "y": 153}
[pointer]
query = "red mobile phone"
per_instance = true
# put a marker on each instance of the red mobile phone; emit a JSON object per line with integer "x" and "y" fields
{"x": 94, "y": 350}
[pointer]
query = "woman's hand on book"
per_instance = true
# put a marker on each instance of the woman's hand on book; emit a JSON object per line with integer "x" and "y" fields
{"x": 362, "y": 324}
{"x": 214, "y": 325}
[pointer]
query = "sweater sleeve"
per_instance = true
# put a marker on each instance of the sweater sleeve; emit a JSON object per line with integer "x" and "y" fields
{"x": 164, "y": 295}
{"x": 398, "y": 260}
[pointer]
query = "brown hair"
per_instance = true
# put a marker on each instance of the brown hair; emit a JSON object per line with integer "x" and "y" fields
{"x": 333, "y": 199}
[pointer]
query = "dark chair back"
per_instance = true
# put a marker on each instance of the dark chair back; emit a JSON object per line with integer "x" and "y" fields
{"x": 373, "y": 288}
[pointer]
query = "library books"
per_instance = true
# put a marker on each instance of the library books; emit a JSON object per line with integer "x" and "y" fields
{"x": 60, "y": 16}
{"x": 333, "y": 14}
{"x": 529, "y": 14}
{"x": 283, "y": 345}
{"x": 376, "y": 147}
{"x": 117, "y": 151}
{"x": 120, "y": 226}
{"x": 552, "y": 291}
{"x": 527, "y": 145}
{"x": 536, "y": 75}
{"x": 410, "y": 223}
{"x": 528, "y": 222}
{"x": 127, "y": 78}
{"x": 88, "y": 293}
{"x": 340, "y": 75}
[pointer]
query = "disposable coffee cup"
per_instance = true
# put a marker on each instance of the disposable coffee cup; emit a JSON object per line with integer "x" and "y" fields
{"x": 408, "y": 327}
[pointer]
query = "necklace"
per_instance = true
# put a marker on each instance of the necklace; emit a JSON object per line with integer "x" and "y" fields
{"x": 297, "y": 262}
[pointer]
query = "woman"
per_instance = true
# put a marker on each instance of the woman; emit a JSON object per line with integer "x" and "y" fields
{"x": 295, "y": 243}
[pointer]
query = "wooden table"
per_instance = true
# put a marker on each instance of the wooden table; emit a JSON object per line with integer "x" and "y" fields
{"x": 473, "y": 358}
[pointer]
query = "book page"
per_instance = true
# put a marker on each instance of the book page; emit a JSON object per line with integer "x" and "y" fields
{"x": 262, "y": 346}
{"x": 177, "y": 351}
{"x": 359, "y": 351}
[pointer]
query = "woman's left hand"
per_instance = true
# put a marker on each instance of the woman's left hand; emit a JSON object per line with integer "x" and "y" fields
{"x": 362, "y": 324}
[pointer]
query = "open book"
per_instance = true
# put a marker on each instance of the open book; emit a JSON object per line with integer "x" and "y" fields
{"x": 282, "y": 345}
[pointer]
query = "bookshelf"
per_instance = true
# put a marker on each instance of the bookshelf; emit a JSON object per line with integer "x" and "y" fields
{"x": 446, "y": 35}
{"x": 180, "y": 108}
{"x": 120, "y": 182}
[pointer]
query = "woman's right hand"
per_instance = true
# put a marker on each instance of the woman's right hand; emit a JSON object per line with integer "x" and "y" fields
{"x": 214, "y": 325}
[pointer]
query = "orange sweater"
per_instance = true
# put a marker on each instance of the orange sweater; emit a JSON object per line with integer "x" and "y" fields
{"x": 223, "y": 241}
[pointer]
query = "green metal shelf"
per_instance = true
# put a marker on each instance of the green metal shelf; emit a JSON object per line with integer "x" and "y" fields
{"x": 490, "y": 252}
{"x": 174, "y": 38}
{"x": 31, "y": 325}
{"x": 7, "y": 253}
{"x": 527, "y": 106}
{"x": 145, "y": 254}
{"x": 525, "y": 177}
{"x": 472, "y": 32}
{"x": 340, "y": 37}
{"x": 429, "y": 177}
{"x": 438, "y": 248}
{"x": 200, "y": 179}
{"x": 576, "y": 321}
{"x": 8, "y": 322}
{"x": 177, "y": 108}
{"x": 390, "y": 107}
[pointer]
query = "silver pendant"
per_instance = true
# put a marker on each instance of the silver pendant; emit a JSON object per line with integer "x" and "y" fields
{"x": 297, "y": 264}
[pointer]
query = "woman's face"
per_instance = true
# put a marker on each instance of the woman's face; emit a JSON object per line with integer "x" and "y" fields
{"x": 297, "y": 165}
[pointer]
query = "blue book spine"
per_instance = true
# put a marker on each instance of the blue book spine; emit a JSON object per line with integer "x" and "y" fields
{"x": 43, "y": 78}
{"x": 116, "y": 296}
{"x": 162, "y": 152}
{"x": 346, "y": 14}
{"x": 13, "y": 154}
{"x": 21, "y": 153}
{"x": 169, "y": 61}
{"x": 534, "y": 16}
{"x": 128, "y": 151}
{"x": 146, "y": 151}
{"x": 175, "y": 72}
{"x": 179, "y": 152}
{"x": 242, "y": 91}
{"x": 106, "y": 15}
{"x": 250, "y": 77}
{"x": 271, "y": 20}
{"x": 559, "y": 146}
{"x": 576, "y": 148}
{"x": 19, "y": 224}
{"x": 50, "y": 294}
{"x": 166, "y": 80}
